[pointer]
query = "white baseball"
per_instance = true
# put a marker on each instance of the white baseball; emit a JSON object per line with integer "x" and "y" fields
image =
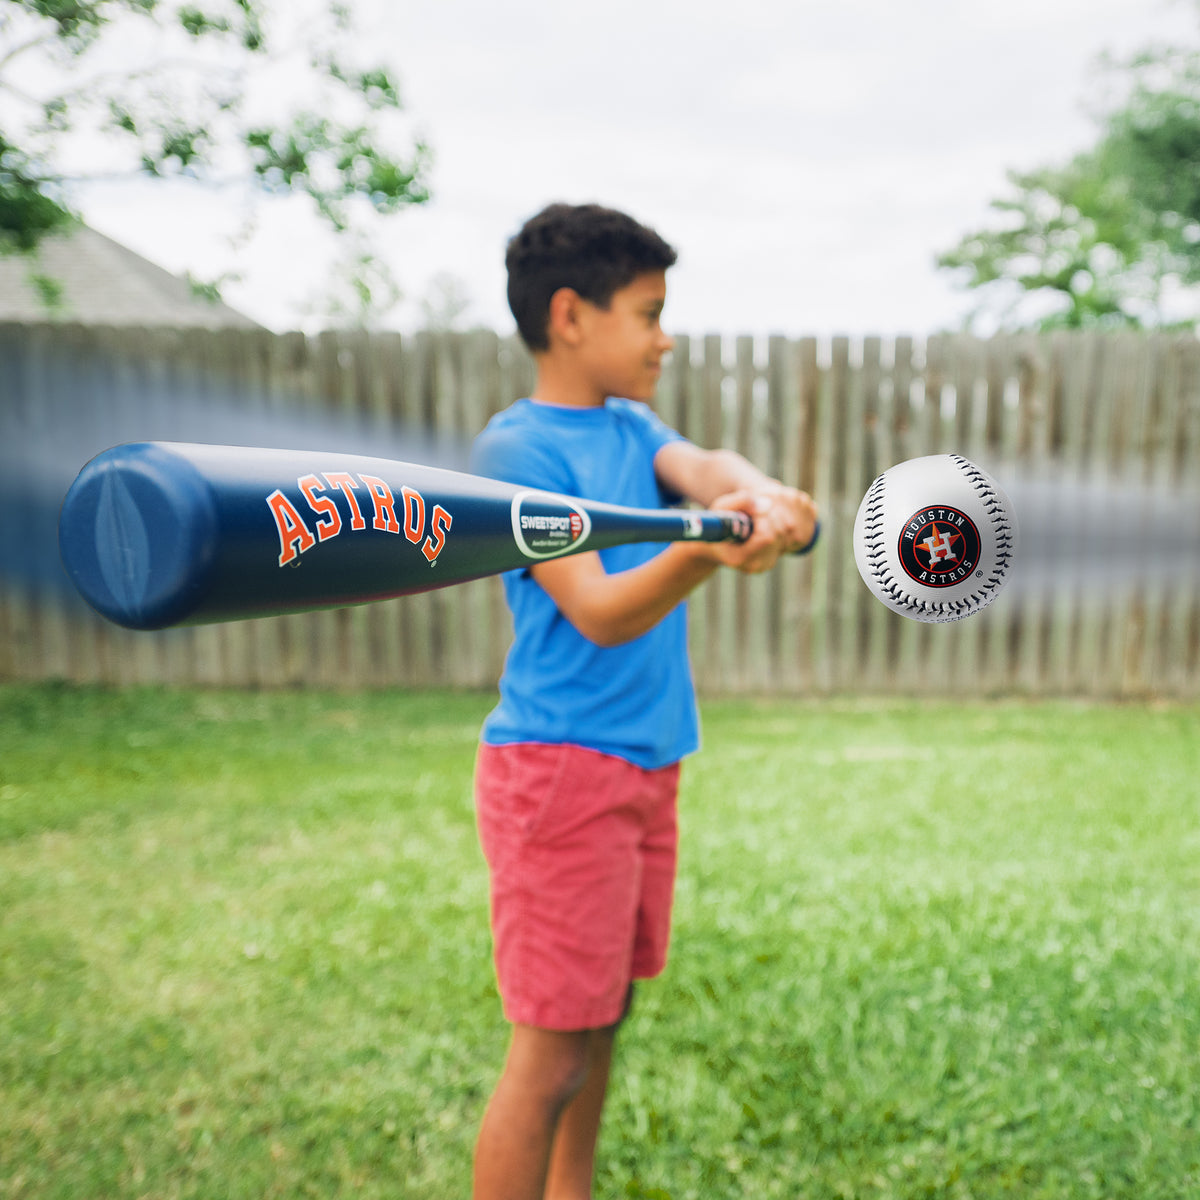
{"x": 935, "y": 538}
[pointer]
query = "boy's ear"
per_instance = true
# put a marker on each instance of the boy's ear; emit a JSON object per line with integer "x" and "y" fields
{"x": 563, "y": 322}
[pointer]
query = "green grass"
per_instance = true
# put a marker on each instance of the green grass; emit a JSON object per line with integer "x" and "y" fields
{"x": 921, "y": 951}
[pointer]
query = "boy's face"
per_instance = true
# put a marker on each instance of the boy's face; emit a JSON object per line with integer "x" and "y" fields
{"x": 623, "y": 345}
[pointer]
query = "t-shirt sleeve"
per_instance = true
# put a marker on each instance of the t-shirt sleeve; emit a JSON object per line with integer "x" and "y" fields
{"x": 653, "y": 431}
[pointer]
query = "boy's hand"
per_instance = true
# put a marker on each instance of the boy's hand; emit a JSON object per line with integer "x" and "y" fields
{"x": 785, "y": 520}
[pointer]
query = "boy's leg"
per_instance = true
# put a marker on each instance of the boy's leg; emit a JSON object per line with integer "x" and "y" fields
{"x": 573, "y": 1158}
{"x": 581, "y": 852}
{"x": 544, "y": 1072}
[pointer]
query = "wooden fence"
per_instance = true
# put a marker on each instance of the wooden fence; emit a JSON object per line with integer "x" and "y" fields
{"x": 827, "y": 415}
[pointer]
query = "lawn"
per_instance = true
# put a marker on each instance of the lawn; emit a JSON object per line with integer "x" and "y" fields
{"x": 921, "y": 950}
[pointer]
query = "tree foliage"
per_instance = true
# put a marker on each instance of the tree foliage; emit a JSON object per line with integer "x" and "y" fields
{"x": 1101, "y": 241}
{"x": 1153, "y": 142}
{"x": 175, "y": 90}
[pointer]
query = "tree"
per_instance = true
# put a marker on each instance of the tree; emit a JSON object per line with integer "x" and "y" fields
{"x": 1153, "y": 142}
{"x": 170, "y": 89}
{"x": 1106, "y": 239}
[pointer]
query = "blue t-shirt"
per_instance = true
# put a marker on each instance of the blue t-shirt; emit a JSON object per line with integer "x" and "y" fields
{"x": 636, "y": 700}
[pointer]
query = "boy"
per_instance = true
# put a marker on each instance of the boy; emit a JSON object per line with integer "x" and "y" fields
{"x": 578, "y": 765}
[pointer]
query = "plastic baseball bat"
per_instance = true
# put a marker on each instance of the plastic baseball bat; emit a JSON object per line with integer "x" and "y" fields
{"x": 157, "y": 534}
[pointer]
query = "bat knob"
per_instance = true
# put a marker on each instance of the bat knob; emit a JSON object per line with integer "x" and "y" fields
{"x": 812, "y": 541}
{"x": 136, "y": 532}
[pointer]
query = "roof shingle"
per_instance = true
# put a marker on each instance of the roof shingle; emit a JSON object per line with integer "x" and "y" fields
{"x": 104, "y": 283}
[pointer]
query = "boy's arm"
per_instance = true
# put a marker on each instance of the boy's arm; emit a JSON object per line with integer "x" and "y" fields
{"x": 707, "y": 475}
{"x": 611, "y": 609}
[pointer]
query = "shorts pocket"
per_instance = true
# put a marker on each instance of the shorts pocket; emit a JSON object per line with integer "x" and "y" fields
{"x": 518, "y": 789}
{"x": 537, "y": 788}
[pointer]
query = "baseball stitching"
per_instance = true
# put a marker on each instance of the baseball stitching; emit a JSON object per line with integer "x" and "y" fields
{"x": 876, "y": 550}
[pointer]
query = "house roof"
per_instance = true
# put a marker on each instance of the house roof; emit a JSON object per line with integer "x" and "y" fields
{"x": 104, "y": 283}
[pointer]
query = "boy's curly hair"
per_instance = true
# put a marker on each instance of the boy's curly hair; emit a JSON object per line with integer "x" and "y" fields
{"x": 591, "y": 249}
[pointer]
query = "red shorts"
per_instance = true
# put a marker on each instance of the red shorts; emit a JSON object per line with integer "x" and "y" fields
{"x": 581, "y": 848}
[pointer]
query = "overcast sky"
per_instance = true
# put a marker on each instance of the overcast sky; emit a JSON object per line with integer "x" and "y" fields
{"x": 808, "y": 160}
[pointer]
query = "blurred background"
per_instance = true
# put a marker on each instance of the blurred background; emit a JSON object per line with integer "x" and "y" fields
{"x": 902, "y": 229}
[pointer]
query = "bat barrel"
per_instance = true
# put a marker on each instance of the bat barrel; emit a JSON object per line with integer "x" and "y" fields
{"x": 155, "y": 534}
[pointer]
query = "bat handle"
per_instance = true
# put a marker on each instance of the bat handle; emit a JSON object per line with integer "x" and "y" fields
{"x": 734, "y": 526}
{"x": 738, "y": 527}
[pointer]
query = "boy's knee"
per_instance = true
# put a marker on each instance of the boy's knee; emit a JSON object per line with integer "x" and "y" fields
{"x": 555, "y": 1068}
{"x": 571, "y": 1074}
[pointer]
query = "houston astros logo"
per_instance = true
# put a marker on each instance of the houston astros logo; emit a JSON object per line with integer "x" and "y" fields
{"x": 939, "y": 546}
{"x": 296, "y": 537}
